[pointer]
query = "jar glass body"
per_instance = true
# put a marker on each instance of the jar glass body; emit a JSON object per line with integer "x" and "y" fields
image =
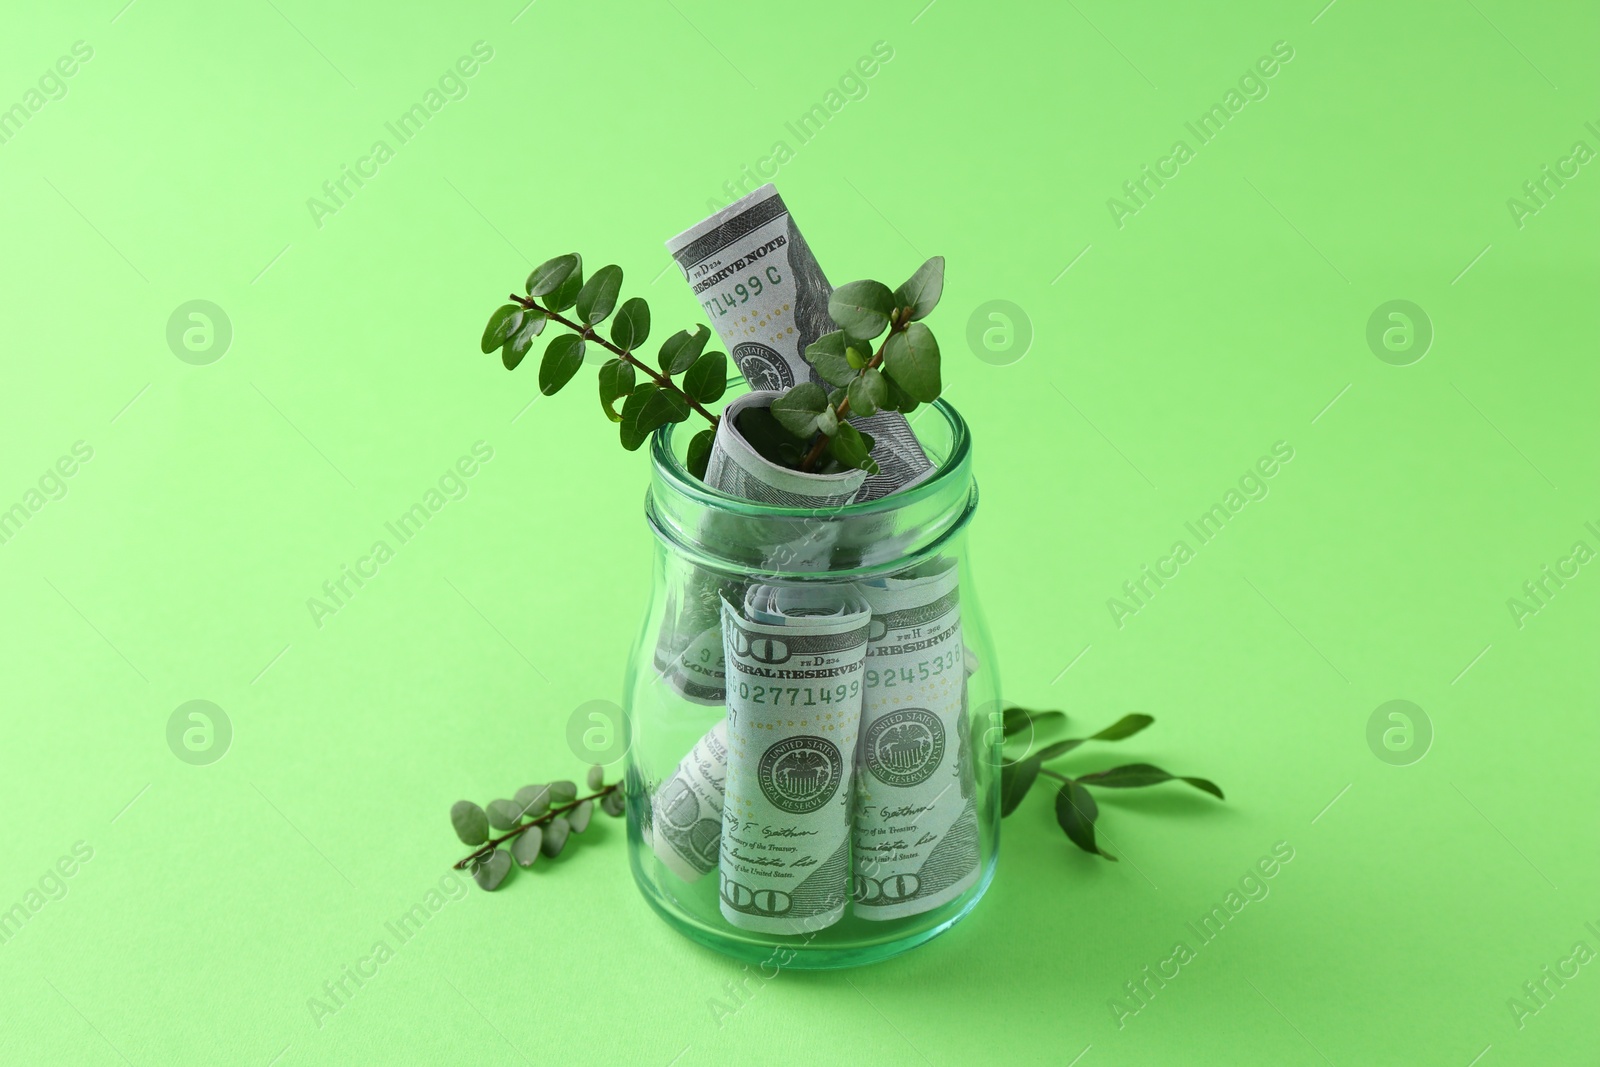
{"x": 865, "y": 819}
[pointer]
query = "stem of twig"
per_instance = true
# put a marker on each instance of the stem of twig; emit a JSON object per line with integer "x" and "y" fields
{"x": 489, "y": 846}
{"x": 588, "y": 334}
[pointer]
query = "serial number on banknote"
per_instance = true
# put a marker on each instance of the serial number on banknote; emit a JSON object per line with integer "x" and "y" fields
{"x": 913, "y": 673}
{"x": 798, "y": 696}
{"x": 728, "y": 300}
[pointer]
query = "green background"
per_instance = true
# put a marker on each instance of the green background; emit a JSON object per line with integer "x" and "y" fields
{"x": 1229, "y": 313}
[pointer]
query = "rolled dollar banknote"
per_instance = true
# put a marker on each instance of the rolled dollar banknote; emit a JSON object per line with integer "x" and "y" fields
{"x": 916, "y": 822}
{"x": 686, "y": 812}
{"x": 767, "y": 298}
{"x": 739, "y": 470}
{"x": 794, "y": 656}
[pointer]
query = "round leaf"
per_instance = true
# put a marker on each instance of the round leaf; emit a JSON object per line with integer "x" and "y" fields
{"x": 861, "y": 308}
{"x": 563, "y": 792}
{"x": 555, "y": 836}
{"x": 679, "y": 351}
{"x": 566, "y": 294}
{"x": 534, "y": 800}
{"x": 700, "y": 452}
{"x": 599, "y": 294}
{"x": 852, "y": 448}
{"x": 648, "y": 408}
{"x": 616, "y": 381}
{"x": 490, "y": 872}
{"x": 706, "y": 379}
{"x": 632, "y": 324}
{"x": 518, "y": 343}
{"x": 504, "y": 814}
{"x": 579, "y": 819}
{"x": 561, "y": 361}
{"x": 922, "y": 290}
{"x": 548, "y": 276}
{"x": 798, "y": 409}
{"x": 596, "y": 778}
{"x": 502, "y": 324}
{"x": 868, "y": 393}
{"x": 828, "y": 355}
{"x": 613, "y": 804}
{"x": 525, "y": 849}
{"x": 911, "y": 357}
{"x": 828, "y": 421}
{"x": 471, "y": 824}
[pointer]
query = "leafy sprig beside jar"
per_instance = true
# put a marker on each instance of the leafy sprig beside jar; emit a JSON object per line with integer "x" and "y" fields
{"x": 537, "y": 820}
{"x": 1076, "y": 809}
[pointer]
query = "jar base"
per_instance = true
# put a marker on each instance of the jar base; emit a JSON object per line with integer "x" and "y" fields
{"x": 803, "y": 954}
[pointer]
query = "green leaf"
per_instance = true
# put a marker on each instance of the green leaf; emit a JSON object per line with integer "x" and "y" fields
{"x": 1014, "y": 720}
{"x": 700, "y": 452}
{"x": 647, "y": 409}
{"x": 1015, "y": 781}
{"x": 561, "y": 361}
{"x": 579, "y": 817}
{"x": 504, "y": 814}
{"x": 599, "y": 294}
{"x": 764, "y": 433}
{"x": 548, "y": 276}
{"x": 525, "y": 849}
{"x": 489, "y": 873}
{"x": 502, "y": 324}
{"x": 471, "y": 824}
{"x": 555, "y": 836}
{"x": 868, "y": 393}
{"x": 827, "y": 355}
{"x": 566, "y": 294}
{"x": 518, "y": 343}
{"x": 861, "y": 308}
{"x": 616, "y": 381}
{"x": 596, "y": 778}
{"x": 921, "y": 291}
{"x": 828, "y": 422}
{"x": 679, "y": 351}
{"x": 614, "y": 804}
{"x": 1076, "y": 811}
{"x": 911, "y": 357}
{"x": 1134, "y": 775}
{"x": 899, "y": 399}
{"x": 1126, "y": 726}
{"x": 632, "y": 324}
{"x": 798, "y": 409}
{"x": 852, "y": 448}
{"x": 563, "y": 792}
{"x": 707, "y": 378}
{"x": 534, "y": 800}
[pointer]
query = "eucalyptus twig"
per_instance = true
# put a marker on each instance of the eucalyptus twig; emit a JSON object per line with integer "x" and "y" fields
{"x": 553, "y": 812}
{"x": 490, "y": 845}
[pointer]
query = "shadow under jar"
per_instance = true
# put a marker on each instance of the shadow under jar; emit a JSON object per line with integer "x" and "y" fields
{"x": 812, "y": 708}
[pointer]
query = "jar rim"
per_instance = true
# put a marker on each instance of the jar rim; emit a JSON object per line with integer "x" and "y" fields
{"x": 670, "y": 470}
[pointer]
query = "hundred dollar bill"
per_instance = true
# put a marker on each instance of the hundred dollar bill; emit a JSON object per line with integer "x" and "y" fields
{"x": 794, "y": 657}
{"x": 767, "y": 298}
{"x": 916, "y": 822}
{"x": 686, "y": 811}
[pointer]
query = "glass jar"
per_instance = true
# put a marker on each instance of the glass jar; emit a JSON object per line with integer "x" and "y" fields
{"x": 812, "y": 712}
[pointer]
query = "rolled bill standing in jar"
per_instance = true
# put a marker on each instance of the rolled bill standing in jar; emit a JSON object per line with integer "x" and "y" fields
{"x": 686, "y": 816}
{"x": 916, "y": 820}
{"x": 794, "y": 658}
{"x": 753, "y": 272}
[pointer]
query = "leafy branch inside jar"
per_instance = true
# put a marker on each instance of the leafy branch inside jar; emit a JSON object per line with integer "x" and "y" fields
{"x": 806, "y": 429}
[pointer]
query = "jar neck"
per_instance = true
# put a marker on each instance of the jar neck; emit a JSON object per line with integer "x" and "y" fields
{"x": 713, "y": 530}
